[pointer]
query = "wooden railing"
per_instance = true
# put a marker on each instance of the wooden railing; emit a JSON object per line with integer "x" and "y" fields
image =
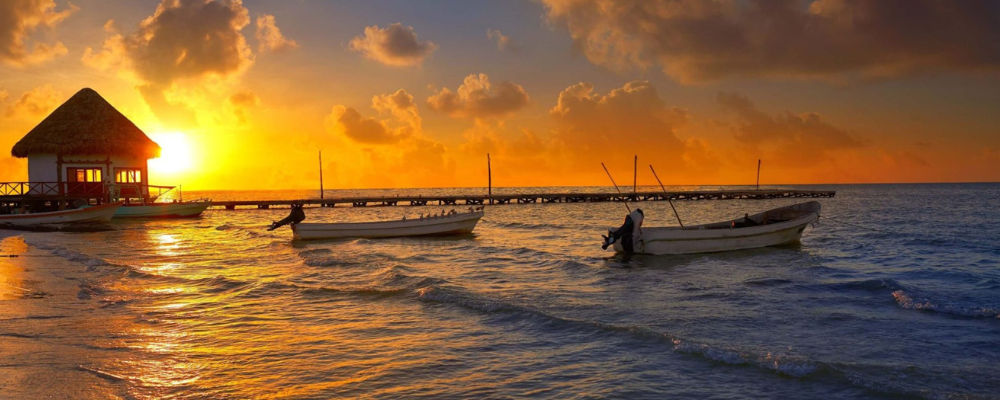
{"x": 80, "y": 189}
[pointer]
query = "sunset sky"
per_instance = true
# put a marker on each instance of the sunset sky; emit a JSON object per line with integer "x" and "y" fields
{"x": 242, "y": 95}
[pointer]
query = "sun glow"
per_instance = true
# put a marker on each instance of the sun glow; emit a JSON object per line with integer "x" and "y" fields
{"x": 176, "y": 155}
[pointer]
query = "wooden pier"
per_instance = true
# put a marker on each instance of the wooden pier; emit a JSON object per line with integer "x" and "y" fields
{"x": 527, "y": 198}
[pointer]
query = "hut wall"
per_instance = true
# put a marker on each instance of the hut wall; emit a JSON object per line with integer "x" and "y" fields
{"x": 42, "y": 168}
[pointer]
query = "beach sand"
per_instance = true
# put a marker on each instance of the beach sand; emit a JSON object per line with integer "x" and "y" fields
{"x": 54, "y": 334}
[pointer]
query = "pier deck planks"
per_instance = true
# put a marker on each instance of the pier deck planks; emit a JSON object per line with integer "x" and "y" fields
{"x": 527, "y": 198}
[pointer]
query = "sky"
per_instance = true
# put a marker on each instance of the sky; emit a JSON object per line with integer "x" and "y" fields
{"x": 244, "y": 95}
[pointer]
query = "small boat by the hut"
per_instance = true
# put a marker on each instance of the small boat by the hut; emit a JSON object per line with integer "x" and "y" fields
{"x": 163, "y": 210}
{"x": 448, "y": 224}
{"x": 54, "y": 219}
{"x": 770, "y": 228}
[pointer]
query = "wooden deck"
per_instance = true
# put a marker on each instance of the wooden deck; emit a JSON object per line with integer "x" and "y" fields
{"x": 527, "y": 198}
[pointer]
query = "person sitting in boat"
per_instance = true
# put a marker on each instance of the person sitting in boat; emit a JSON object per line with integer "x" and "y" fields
{"x": 297, "y": 215}
{"x": 629, "y": 233}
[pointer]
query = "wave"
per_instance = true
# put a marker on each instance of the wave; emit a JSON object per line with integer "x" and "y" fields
{"x": 790, "y": 365}
{"x": 526, "y": 225}
{"x": 913, "y": 299}
{"x": 871, "y": 285}
{"x": 877, "y": 378}
{"x": 390, "y": 282}
{"x": 920, "y": 303}
{"x": 766, "y": 282}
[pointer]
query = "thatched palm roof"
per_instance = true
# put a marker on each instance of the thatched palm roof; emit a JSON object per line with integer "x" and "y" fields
{"x": 86, "y": 124}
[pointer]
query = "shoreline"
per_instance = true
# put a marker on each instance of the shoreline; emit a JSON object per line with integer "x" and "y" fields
{"x": 51, "y": 326}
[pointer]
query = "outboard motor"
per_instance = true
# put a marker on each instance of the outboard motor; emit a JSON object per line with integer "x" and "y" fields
{"x": 627, "y": 233}
{"x": 297, "y": 215}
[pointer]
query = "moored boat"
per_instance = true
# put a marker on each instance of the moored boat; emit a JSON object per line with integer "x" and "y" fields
{"x": 163, "y": 210}
{"x": 448, "y": 224}
{"x": 770, "y": 228}
{"x": 95, "y": 214}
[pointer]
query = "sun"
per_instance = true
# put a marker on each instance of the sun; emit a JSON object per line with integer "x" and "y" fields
{"x": 176, "y": 153}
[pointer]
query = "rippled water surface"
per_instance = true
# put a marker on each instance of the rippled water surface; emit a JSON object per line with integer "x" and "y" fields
{"x": 894, "y": 293}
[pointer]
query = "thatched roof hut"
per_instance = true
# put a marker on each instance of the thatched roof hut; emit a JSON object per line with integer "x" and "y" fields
{"x": 86, "y": 124}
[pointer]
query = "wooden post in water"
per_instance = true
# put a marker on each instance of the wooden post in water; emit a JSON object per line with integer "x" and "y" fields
{"x": 758, "y": 174}
{"x": 635, "y": 165}
{"x": 321, "y": 174}
{"x": 489, "y": 179}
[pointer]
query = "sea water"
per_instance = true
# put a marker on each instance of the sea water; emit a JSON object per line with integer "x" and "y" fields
{"x": 893, "y": 293}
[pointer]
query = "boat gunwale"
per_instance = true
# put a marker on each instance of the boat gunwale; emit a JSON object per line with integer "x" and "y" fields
{"x": 80, "y": 210}
{"x": 448, "y": 219}
{"x": 741, "y": 232}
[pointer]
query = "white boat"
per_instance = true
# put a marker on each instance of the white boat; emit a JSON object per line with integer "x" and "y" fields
{"x": 95, "y": 214}
{"x": 769, "y": 228}
{"x": 449, "y": 224}
{"x": 163, "y": 210}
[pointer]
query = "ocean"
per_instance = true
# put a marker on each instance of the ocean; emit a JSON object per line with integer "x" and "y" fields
{"x": 893, "y": 293}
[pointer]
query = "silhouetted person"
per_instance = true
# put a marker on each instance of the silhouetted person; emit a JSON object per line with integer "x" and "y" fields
{"x": 294, "y": 217}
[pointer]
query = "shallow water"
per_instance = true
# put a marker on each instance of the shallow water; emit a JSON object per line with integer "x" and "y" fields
{"x": 894, "y": 293}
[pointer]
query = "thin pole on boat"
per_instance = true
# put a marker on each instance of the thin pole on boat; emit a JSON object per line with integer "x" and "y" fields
{"x": 624, "y": 200}
{"x": 321, "y": 174}
{"x": 758, "y": 174}
{"x": 489, "y": 179}
{"x": 667, "y": 195}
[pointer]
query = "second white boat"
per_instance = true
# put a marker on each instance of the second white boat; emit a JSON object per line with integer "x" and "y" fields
{"x": 163, "y": 210}
{"x": 449, "y": 224}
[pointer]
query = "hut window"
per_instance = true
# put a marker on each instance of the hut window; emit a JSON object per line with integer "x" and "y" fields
{"x": 128, "y": 175}
{"x": 84, "y": 174}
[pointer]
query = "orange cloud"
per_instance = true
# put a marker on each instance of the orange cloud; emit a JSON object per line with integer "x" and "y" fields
{"x": 793, "y": 139}
{"x": 504, "y": 42}
{"x": 476, "y": 97}
{"x": 269, "y": 37}
{"x": 396, "y": 45}
{"x": 697, "y": 41}
{"x": 36, "y": 102}
{"x": 359, "y": 128}
{"x": 405, "y": 121}
{"x": 623, "y": 121}
{"x": 386, "y": 148}
{"x": 18, "y": 18}
{"x": 183, "y": 39}
{"x": 239, "y": 102}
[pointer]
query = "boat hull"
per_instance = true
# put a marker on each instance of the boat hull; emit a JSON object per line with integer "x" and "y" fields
{"x": 717, "y": 237}
{"x": 97, "y": 214}
{"x": 455, "y": 224}
{"x": 163, "y": 210}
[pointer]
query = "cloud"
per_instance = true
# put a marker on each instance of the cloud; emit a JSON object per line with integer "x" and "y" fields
{"x": 405, "y": 121}
{"x": 400, "y": 105}
{"x": 794, "y": 139}
{"x": 396, "y": 45}
{"x": 241, "y": 101}
{"x": 476, "y": 97}
{"x": 182, "y": 40}
{"x": 34, "y": 103}
{"x": 627, "y": 120}
{"x": 504, "y": 42}
{"x": 269, "y": 37}
{"x": 360, "y": 128}
{"x": 382, "y": 150}
{"x": 698, "y": 41}
{"x": 18, "y": 18}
